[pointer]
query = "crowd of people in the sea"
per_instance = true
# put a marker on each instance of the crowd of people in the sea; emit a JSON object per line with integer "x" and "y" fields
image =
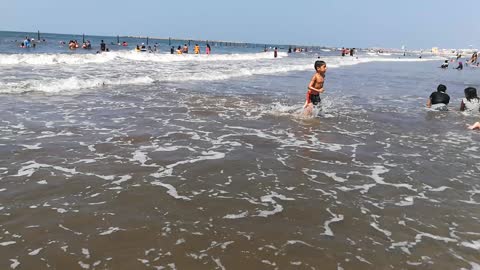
{"x": 439, "y": 101}
{"x": 196, "y": 49}
{"x": 474, "y": 59}
{"x": 473, "y": 62}
{"x": 295, "y": 50}
{"x": 28, "y": 43}
{"x": 73, "y": 44}
{"x": 348, "y": 51}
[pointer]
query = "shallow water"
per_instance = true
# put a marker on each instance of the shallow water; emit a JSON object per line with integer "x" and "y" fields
{"x": 211, "y": 165}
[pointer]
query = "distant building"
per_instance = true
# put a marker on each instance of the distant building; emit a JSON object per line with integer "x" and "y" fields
{"x": 435, "y": 50}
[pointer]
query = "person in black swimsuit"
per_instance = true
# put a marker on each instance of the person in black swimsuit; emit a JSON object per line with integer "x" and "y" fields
{"x": 103, "y": 47}
{"x": 439, "y": 100}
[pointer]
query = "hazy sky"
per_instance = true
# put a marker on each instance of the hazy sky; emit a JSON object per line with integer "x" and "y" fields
{"x": 349, "y": 23}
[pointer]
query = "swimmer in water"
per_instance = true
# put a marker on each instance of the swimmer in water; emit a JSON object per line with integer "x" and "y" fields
{"x": 474, "y": 126}
{"x": 445, "y": 64}
{"x": 439, "y": 100}
{"x": 471, "y": 102}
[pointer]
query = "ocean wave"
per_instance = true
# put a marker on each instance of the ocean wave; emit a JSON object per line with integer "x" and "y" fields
{"x": 54, "y": 85}
{"x": 160, "y": 57}
{"x": 81, "y": 59}
{"x": 54, "y": 59}
{"x": 133, "y": 72}
{"x": 69, "y": 84}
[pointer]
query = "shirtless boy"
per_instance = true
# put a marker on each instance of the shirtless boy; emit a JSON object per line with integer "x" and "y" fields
{"x": 315, "y": 88}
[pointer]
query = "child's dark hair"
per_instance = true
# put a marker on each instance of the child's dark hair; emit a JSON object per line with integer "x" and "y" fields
{"x": 471, "y": 93}
{"x": 441, "y": 88}
{"x": 319, "y": 63}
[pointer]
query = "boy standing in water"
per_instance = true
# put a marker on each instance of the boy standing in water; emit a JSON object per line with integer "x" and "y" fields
{"x": 315, "y": 88}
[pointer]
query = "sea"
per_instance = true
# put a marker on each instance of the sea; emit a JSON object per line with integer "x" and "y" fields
{"x": 138, "y": 160}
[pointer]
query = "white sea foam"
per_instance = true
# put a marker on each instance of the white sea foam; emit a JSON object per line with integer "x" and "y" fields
{"x": 295, "y": 242}
{"x": 336, "y": 218}
{"x": 475, "y": 266}
{"x": 140, "y": 157}
{"x": 32, "y": 166}
{"x": 408, "y": 201}
{"x": 111, "y": 230}
{"x": 84, "y": 265}
{"x": 362, "y": 259}
{"x": 405, "y": 246}
{"x": 82, "y": 59}
{"x": 206, "y": 155}
{"x": 168, "y": 58}
{"x": 218, "y": 263}
{"x": 54, "y": 59}
{"x": 74, "y": 72}
{"x": 378, "y": 170}
{"x": 277, "y": 208}
{"x": 419, "y": 236}
{"x": 32, "y": 147}
{"x": 35, "y": 252}
{"x": 86, "y": 161}
{"x": 377, "y": 227}
{"x": 14, "y": 264}
{"x": 439, "y": 189}
{"x": 236, "y": 216}
{"x": 132, "y": 56}
{"x": 473, "y": 244}
{"x": 67, "y": 229}
{"x": 172, "y": 191}
{"x": 71, "y": 83}
{"x": 29, "y": 169}
{"x": 97, "y": 203}
{"x": 335, "y": 177}
{"x": 122, "y": 179}
{"x": 86, "y": 253}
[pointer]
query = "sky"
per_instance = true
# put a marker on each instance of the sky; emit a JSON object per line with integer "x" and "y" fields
{"x": 349, "y": 23}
